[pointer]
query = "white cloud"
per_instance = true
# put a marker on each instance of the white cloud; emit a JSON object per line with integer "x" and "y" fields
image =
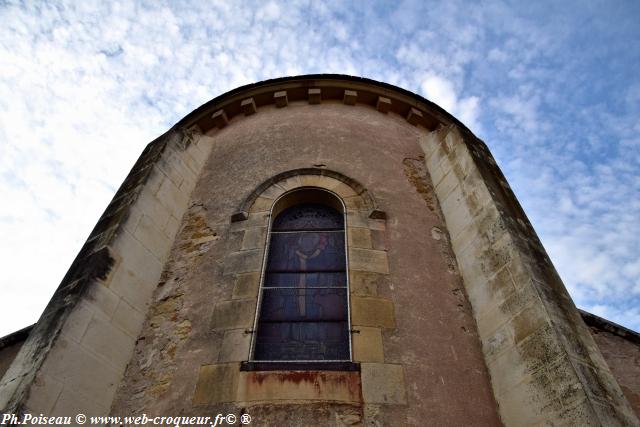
{"x": 84, "y": 86}
{"x": 441, "y": 91}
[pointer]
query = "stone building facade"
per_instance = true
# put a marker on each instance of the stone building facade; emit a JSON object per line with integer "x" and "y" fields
{"x": 454, "y": 313}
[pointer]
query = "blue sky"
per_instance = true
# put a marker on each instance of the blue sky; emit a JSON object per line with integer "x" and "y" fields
{"x": 552, "y": 87}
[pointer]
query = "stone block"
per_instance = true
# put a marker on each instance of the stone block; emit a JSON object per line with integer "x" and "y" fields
{"x": 172, "y": 166}
{"x": 134, "y": 215}
{"x": 280, "y": 99}
{"x": 199, "y": 152}
{"x": 154, "y": 181}
{"x": 191, "y": 163}
{"x": 173, "y": 198}
{"x": 366, "y": 283}
{"x": 497, "y": 290}
{"x": 261, "y": 204}
{"x": 359, "y": 237}
{"x": 429, "y": 143}
{"x": 578, "y": 413}
{"x": 194, "y": 169}
{"x": 383, "y": 104}
{"x": 258, "y": 219}
{"x": 461, "y": 157}
{"x": 108, "y": 342}
{"x": 464, "y": 238}
{"x": 369, "y": 311}
{"x": 456, "y": 213}
{"x": 313, "y": 180}
{"x": 44, "y": 393}
{"x": 127, "y": 285}
{"x": 496, "y": 311}
{"x": 82, "y": 371}
{"x": 254, "y": 237}
{"x": 72, "y": 402}
{"x": 152, "y": 237}
{"x": 473, "y": 274}
{"x": 220, "y": 119}
{"x": 102, "y": 299}
{"x": 357, "y": 219}
{"x": 233, "y": 314}
{"x": 350, "y": 97}
{"x": 292, "y": 385}
{"x": 315, "y": 95}
{"x": 137, "y": 259}
{"x": 367, "y": 345}
{"x": 498, "y": 340}
{"x": 414, "y": 116}
{"x": 355, "y": 203}
{"x": 216, "y": 383}
{"x": 235, "y": 346}
{"x": 446, "y": 185}
{"x": 517, "y": 407}
{"x": 368, "y": 260}
{"x": 383, "y": 383}
{"x": 172, "y": 227}
{"x": 239, "y": 216}
{"x": 290, "y": 183}
{"x": 128, "y": 319}
{"x": 149, "y": 205}
{"x": 343, "y": 190}
{"x": 377, "y": 214}
{"x": 379, "y": 240}
{"x": 248, "y": 106}
{"x": 498, "y": 254}
{"x": 273, "y": 192}
{"x": 537, "y": 342}
{"x": 331, "y": 183}
{"x": 78, "y": 321}
{"x": 243, "y": 261}
{"x": 436, "y": 171}
{"x": 246, "y": 286}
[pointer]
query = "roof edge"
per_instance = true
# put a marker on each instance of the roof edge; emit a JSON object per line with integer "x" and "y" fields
{"x": 606, "y": 325}
{"x": 15, "y": 337}
{"x": 219, "y": 100}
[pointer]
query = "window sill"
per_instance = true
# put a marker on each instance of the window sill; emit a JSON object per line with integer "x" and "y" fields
{"x": 300, "y": 366}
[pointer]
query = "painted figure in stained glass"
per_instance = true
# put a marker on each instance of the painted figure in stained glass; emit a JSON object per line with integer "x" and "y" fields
{"x": 303, "y": 314}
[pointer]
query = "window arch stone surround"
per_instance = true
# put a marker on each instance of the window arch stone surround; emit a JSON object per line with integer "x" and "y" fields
{"x": 375, "y": 381}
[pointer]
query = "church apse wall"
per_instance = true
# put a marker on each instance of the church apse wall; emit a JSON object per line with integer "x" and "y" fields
{"x": 407, "y": 303}
{"x": 318, "y": 250}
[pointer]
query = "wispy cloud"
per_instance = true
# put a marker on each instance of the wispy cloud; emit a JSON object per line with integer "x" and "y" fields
{"x": 551, "y": 87}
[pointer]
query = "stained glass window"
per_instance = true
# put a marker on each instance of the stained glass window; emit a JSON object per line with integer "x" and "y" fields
{"x": 304, "y": 314}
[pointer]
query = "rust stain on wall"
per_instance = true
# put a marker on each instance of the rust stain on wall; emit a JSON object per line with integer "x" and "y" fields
{"x": 303, "y": 385}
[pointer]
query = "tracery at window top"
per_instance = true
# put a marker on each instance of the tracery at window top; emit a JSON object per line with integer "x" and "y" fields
{"x": 304, "y": 309}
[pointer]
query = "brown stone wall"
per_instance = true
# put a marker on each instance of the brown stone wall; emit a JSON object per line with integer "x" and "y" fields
{"x": 621, "y": 350}
{"x": 9, "y": 348}
{"x": 7, "y": 354}
{"x": 431, "y": 350}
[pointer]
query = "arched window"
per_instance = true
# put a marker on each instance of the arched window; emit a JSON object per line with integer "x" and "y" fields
{"x": 303, "y": 314}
